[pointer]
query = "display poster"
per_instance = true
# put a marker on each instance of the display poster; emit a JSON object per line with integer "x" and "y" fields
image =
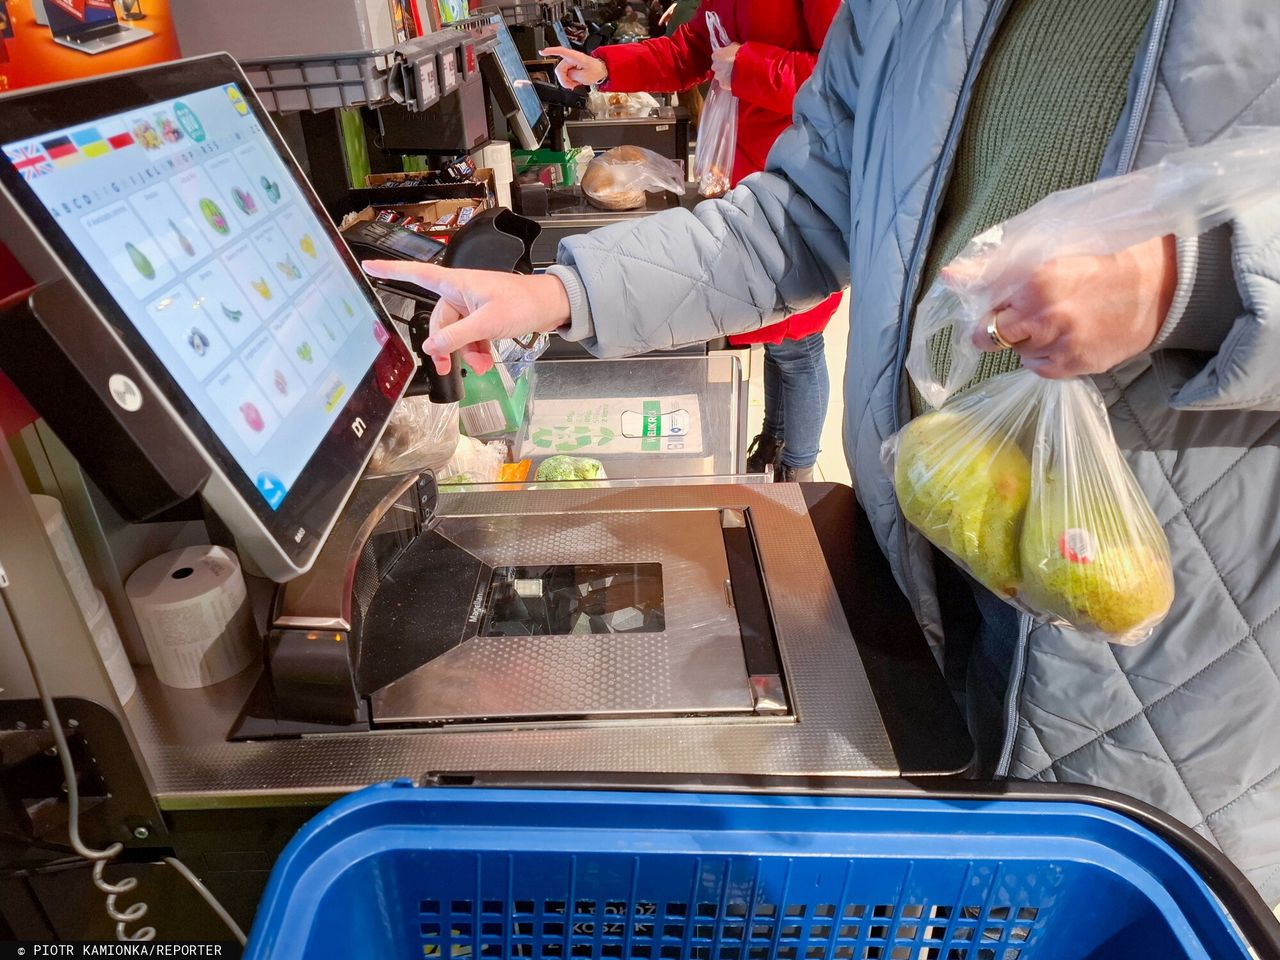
{"x": 42, "y": 41}
{"x": 605, "y": 426}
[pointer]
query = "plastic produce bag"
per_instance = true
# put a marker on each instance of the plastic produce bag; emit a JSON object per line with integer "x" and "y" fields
{"x": 520, "y": 354}
{"x": 474, "y": 461}
{"x": 717, "y": 129}
{"x": 1021, "y": 482}
{"x": 1020, "y": 479}
{"x": 619, "y": 178}
{"x": 565, "y": 468}
{"x": 420, "y": 435}
{"x": 604, "y": 106}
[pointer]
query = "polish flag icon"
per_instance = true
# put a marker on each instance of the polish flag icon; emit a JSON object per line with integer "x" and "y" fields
{"x": 117, "y": 135}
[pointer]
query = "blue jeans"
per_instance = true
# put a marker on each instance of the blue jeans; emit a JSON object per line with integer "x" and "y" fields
{"x": 796, "y": 390}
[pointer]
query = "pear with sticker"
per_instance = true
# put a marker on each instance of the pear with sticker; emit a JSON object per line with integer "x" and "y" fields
{"x": 1083, "y": 563}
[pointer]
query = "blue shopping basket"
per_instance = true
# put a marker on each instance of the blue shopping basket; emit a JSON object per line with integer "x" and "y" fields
{"x": 395, "y": 871}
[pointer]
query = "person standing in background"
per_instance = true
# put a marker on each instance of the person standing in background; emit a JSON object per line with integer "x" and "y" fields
{"x": 656, "y": 10}
{"x": 774, "y": 46}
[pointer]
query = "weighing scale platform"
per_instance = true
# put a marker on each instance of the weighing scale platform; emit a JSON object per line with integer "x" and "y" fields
{"x": 688, "y": 663}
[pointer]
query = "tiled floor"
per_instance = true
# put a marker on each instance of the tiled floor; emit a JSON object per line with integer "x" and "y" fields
{"x": 831, "y": 462}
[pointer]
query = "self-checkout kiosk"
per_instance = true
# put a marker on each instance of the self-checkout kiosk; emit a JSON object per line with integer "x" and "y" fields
{"x": 576, "y": 634}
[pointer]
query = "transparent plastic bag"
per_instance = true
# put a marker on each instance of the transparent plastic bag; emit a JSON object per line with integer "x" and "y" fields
{"x": 717, "y": 129}
{"x": 474, "y": 461}
{"x": 562, "y": 467}
{"x": 611, "y": 106}
{"x": 1019, "y": 479}
{"x": 519, "y": 355}
{"x": 1185, "y": 194}
{"x": 619, "y": 178}
{"x": 420, "y": 435}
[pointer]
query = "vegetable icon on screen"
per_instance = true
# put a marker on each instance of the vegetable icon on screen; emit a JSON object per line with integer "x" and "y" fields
{"x": 253, "y": 417}
{"x": 244, "y": 200}
{"x": 213, "y": 216}
{"x": 232, "y": 315}
{"x": 288, "y": 269}
{"x": 281, "y": 382}
{"x": 270, "y": 188}
{"x": 305, "y": 353}
{"x": 187, "y": 247}
{"x": 307, "y": 245}
{"x": 198, "y": 341}
{"x": 140, "y": 261}
{"x": 262, "y": 288}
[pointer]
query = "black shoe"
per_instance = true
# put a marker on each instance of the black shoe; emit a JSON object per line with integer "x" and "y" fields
{"x": 764, "y": 454}
{"x": 795, "y": 475}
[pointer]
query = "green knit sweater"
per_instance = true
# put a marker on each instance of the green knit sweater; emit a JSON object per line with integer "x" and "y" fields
{"x": 1043, "y": 108}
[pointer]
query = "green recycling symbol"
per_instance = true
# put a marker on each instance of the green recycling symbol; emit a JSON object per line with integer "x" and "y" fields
{"x": 568, "y": 439}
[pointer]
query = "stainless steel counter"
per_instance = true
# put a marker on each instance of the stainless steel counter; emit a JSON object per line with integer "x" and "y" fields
{"x": 836, "y": 729}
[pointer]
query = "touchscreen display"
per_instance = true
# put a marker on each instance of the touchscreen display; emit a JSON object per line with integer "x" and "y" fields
{"x": 562, "y": 37}
{"x": 192, "y": 221}
{"x": 517, "y": 76}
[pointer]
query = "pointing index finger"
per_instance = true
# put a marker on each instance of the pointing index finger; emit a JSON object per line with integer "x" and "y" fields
{"x": 429, "y": 276}
{"x": 562, "y": 52}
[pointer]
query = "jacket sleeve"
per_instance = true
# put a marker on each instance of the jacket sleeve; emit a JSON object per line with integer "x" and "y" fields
{"x": 769, "y": 76}
{"x": 661, "y": 65}
{"x": 776, "y": 245}
{"x": 1220, "y": 347}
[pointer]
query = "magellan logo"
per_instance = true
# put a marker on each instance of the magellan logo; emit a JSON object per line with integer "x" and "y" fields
{"x": 477, "y": 607}
{"x": 357, "y": 426}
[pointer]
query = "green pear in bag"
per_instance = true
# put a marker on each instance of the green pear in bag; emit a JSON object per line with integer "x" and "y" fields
{"x": 966, "y": 494}
{"x": 1092, "y": 552}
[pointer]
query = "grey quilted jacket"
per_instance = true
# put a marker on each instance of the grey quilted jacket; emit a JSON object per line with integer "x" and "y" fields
{"x": 1190, "y": 720}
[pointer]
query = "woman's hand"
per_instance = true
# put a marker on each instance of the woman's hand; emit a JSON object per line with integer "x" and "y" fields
{"x": 722, "y": 65}
{"x": 576, "y": 69}
{"x": 478, "y": 306}
{"x": 1082, "y": 315}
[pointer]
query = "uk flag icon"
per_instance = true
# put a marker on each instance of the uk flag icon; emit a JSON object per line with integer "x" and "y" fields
{"x": 29, "y": 160}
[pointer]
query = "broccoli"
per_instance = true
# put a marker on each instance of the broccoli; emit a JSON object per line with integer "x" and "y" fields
{"x": 570, "y": 468}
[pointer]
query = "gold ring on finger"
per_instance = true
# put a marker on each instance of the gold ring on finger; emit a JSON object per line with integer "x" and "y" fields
{"x": 993, "y": 331}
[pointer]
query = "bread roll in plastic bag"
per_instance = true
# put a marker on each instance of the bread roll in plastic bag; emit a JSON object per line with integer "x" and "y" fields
{"x": 420, "y": 435}
{"x": 604, "y": 106}
{"x": 1019, "y": 479}
{"x": 619, "y": 178}
{"x": 717, "y": 128}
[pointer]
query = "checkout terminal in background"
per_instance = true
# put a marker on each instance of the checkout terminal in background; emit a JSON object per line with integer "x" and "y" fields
{"x": 199, "y": 333}
{"x": 514, "y": 91}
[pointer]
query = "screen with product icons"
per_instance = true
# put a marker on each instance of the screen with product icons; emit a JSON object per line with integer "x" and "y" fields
{"x": 513, "y": 69}
{"x": 193, "y": 223}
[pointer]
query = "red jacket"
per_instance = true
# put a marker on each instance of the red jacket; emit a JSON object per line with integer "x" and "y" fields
{"x": 780, "y": 42}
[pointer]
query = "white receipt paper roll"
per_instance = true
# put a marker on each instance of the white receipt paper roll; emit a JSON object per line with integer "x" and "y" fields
{"x": 194, "y": 615}
{"x": 114, "y": 658}
{"x": 64, "y": 546}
